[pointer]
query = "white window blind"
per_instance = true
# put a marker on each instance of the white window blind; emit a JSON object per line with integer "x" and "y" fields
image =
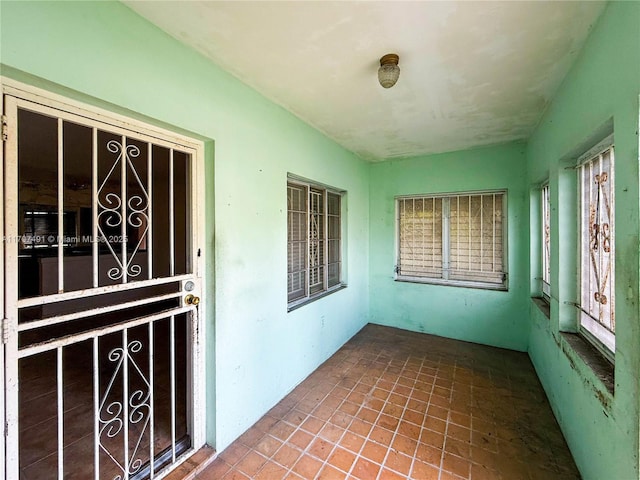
{"x": 597, "y": 248}
{"x": 40, "y": 227}
{"x": 334, "y": 239}
{"x": 420, "y": 237}
{"x": 297, "y": 239}
{"x": 456, "y": 239}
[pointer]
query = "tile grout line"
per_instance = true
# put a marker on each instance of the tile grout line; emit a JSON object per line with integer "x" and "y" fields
{"x": 444, "y": 443}
{"x": 396, "y": 431}
{"x": 426, "y": 414}
{"x": 362, "y": 405}
{"x": 345, "y": 430}
{"x": 465, "y": 379}
{"x": 316, "y": 435}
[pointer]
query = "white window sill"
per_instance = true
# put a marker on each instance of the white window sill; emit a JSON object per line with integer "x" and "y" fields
{"x": 453, "y": 283}
{"x": 304, "y": 301}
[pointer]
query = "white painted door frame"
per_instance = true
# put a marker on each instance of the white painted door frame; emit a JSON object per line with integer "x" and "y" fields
{"x": 16, "y": 94}
{"x": 3, "y": 323}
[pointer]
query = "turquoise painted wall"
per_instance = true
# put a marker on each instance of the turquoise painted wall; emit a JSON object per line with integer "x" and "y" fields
{"x": 603, "y": 85}
{"x": 481, "y": 316}
{"x": 102, "y": 52}
{"x": 257, "y": 352}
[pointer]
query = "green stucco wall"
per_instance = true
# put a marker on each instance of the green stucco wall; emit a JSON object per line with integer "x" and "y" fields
{"x": 103, "y": 53}
{"x": 483, "y": 316}
{"x": 603, "y": 85}
{"x": 257, "y": 351}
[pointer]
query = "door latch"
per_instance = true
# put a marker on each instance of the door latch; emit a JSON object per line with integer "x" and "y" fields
{"x": 5, "y": 331}
{"x": 5, "y": 129}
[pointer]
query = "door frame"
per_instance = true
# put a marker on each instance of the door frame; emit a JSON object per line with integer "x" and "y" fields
{"x": 8, "y": 352}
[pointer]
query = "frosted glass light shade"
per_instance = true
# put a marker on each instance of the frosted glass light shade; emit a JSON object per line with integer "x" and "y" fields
{"x": 389, "y": 71}
{"x": 388, "y": 75}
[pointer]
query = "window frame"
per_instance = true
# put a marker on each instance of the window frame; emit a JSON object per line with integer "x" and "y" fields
{"x": 602, "y": 341}
{"x": 545, "y": 242}
{"x": 326, "y": 190}
{"x": 502, "y": 286}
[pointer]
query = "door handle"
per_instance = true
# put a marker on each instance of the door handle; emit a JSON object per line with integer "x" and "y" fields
{"x": 191, "y": 300}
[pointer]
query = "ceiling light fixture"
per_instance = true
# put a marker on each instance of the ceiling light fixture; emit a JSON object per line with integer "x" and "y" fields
{"x": 389, "y": 70}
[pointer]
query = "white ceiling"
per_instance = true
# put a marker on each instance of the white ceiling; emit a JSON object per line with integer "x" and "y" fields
{"x": 472, "y": 73}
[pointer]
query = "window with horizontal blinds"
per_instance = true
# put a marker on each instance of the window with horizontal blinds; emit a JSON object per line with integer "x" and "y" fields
{"x": 40, "y": 227}
{"x": 456, "y": 239}
{"x": 314, "y": 256}
{"x": 597, "y": 249}
{"x": 334, "y": 239}
{"x": 297, "y": 239}
{"x": 317, "y": 241}
{"x": 420, "y": 240}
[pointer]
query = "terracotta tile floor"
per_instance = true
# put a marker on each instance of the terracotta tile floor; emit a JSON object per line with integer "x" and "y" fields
{"x": 392, "y": 404}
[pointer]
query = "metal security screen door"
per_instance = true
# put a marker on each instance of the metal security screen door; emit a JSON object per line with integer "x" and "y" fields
{"x": 102, "y": 289}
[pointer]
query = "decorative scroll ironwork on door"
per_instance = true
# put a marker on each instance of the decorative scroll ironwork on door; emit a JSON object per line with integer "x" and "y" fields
{"x": 122, "y": 211}
{"x": 100, "y": 357}
{"x": 134, "y": 408}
